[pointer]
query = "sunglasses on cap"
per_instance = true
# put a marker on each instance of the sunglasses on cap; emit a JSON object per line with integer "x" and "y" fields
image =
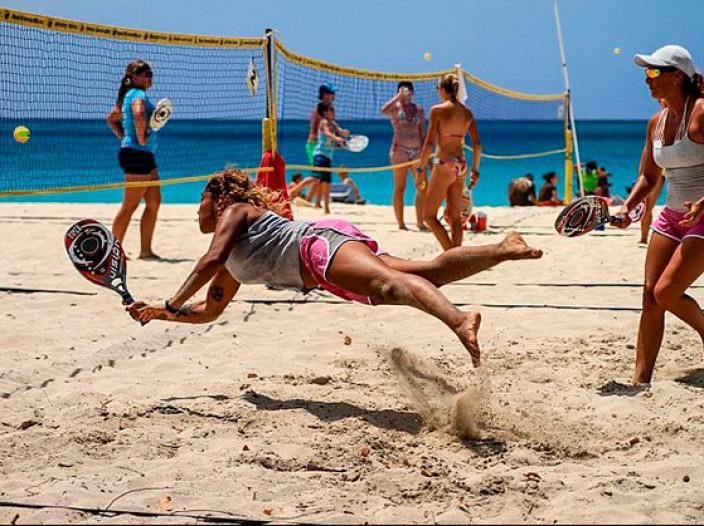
{"x": 653, "y": 73}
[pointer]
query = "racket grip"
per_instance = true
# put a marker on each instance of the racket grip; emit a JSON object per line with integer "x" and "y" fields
{"x": 129, "y": 300}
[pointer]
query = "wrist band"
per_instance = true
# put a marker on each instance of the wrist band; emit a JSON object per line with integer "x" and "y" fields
{"x": 169, "y": 308}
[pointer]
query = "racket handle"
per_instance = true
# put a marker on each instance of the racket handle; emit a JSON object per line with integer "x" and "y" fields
{"x": 129, "y": 300}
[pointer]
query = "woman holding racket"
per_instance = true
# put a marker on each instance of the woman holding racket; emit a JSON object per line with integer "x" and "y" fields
{"x": 408, "y": 123}
{"x": 450, "y": 121}
{"x": 129, "y": 120}
{"x": 330, "y": 136}
{"x": 252, "y": 244}
{"x": 674, "y": 142}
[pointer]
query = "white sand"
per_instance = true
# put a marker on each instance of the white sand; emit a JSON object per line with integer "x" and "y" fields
{"x": 267, "y": 413}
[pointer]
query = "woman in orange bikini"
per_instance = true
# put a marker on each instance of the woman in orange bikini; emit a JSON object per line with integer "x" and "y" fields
{"x": 450, "y": 121}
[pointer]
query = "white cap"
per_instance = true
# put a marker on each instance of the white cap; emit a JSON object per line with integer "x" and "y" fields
{"x": 669, "y": 56}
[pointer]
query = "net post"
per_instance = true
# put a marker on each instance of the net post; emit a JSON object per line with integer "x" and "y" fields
{"x": 269, "y": 122}
{"x": 568, "y": 150}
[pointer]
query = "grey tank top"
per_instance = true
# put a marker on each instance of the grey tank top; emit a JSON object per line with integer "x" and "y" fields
{"x": 683, "y": 161}
{"x": 268, "y": 252}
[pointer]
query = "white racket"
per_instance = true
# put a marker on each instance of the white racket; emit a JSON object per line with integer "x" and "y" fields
{"x": 161, "y": 115}
{"x": 356, "y": 143}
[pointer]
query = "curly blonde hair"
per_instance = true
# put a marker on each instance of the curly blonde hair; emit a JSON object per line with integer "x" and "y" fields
{"x": 234, "y": 186}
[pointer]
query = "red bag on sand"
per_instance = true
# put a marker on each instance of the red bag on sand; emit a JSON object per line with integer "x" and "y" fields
{"x": 276, "y": 179}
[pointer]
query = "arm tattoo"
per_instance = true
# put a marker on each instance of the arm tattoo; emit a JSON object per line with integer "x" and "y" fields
{"x": 217, "y": 293}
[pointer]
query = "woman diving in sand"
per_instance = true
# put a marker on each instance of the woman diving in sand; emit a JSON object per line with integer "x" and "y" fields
{"x": 252, "y": 244}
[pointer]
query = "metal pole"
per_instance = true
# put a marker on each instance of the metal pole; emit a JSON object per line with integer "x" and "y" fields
{"x": 269, "y": 123}
{"x": 569, "y": 108}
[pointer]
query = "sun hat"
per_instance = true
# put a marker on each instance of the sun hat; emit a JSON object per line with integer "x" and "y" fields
{"x": 669, "y": 56}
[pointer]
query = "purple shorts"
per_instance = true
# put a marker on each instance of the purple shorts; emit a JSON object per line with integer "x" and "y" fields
{"x": 318, "y": 249}
{"x": 667, "y": 224}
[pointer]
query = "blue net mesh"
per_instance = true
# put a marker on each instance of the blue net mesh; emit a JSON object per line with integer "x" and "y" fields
{"x": 62, "y": 85}
{"x": 500, "y": 114}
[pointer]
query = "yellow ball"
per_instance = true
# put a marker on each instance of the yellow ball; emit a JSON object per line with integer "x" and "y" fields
{"x": 427, "y": 55}
{"x": 617, "y": 51}
{"x": 21, "y": 134}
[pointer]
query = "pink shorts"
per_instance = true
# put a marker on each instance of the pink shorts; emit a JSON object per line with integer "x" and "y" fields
{"x": 667, "y": 224}
{"x": 319, "y": 248}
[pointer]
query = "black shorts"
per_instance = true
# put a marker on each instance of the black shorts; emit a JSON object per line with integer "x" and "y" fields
{"x": 136, "y": 161}
{"x": 322, "y": 162}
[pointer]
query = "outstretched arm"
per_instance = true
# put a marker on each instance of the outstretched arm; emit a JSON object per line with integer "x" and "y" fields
{"x": 221, "y": 291}
{"x": 232, "y": 223}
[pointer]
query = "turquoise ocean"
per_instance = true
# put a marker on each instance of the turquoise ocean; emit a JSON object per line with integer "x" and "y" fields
{"x": 68, "y": 153}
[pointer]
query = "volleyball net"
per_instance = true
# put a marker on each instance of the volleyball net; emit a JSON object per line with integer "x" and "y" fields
{"x": 60, "y": 79}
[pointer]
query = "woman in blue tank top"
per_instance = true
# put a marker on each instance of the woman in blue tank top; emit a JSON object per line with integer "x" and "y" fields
{"x": 129, "y": 120}
{"x": 674, "y": 144}
{"x": 252, "y": 244}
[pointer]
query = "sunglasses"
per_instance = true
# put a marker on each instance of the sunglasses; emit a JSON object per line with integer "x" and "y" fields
{"x": 653, "y": 73}
{"x": 147, "y": 73}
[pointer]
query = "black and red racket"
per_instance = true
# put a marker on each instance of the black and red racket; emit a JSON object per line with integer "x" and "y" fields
{"x": 586, "y": 213}
{"x": 98, "y": 256}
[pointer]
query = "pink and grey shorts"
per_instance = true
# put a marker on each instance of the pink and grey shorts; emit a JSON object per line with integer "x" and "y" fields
{"x": 319, "y": 248}
{"x": 667, "y": 224}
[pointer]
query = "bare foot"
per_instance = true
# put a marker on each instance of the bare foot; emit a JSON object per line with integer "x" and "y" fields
{"x": 402, "y": 227}
{"x": 515, "y": 247}
{"x": 467, "y": 331}
{"x": 423, "y": 228}
{"x": 149, "y": 256}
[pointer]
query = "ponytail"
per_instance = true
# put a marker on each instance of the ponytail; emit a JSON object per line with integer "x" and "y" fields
{"x": 133, "y": 68}
{"x": 694, "y": 86}
{"x": 451, "y": 84}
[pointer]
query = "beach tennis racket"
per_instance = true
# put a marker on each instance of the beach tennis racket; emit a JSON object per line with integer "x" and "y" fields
{"x": 356, "y": 143}
{"x": 161, "y": 115}
{"x": 98, "y": 256}
{"x": 587, "y": 213}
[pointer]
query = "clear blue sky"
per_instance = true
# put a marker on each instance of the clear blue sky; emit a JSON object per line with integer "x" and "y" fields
{"x": 512, "y": 43}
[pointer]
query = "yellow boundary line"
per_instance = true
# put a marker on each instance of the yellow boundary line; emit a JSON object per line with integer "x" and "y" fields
{"x": 65, "y": 25}
{"x": 124, "y": 184}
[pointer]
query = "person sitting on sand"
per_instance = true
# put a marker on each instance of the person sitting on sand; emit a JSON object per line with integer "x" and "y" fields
{"x": 548, "y": 195}
{"x": 347, "y": 180}
{"x": 521, "y": 191}
{"x": 252, "y": 244}
{"x": 297, "y": 186}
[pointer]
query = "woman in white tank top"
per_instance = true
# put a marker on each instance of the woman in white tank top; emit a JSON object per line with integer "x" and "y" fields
{"x": 674, "y": 144}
